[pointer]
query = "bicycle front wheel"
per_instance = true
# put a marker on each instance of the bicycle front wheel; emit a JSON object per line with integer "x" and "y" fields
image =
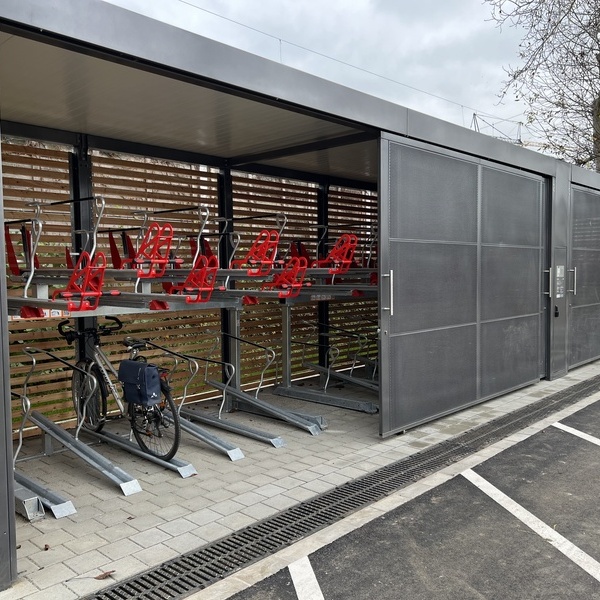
{"x": 156, "y": 428}
{"x": 89, "y": 405}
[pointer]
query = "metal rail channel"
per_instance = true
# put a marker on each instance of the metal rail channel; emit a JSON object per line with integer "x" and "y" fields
{"x": 198, "y": 569}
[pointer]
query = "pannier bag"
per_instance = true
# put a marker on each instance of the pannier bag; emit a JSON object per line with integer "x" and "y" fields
{"x": 141, "y": 382}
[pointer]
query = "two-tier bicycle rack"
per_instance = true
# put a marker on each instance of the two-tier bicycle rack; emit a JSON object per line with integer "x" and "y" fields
{"x": 81, "y": 289}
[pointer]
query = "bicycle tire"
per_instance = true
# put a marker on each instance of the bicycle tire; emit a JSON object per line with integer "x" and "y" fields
{"x": 156, "y": 428}
{"x": 93, "y": 414}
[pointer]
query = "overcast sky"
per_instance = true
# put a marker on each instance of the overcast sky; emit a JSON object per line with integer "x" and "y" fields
{"x": 442, "y": 57}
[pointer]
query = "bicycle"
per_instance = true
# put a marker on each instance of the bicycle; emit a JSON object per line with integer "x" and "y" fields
{"x": 156, "y": 427}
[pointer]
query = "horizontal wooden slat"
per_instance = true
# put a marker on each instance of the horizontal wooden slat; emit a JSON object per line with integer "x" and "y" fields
{"x": 128, "y": 183}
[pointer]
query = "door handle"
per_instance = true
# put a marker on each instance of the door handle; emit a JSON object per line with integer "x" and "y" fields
{"x": 549, "y": 292}
{"x": 574, "y": 271}
{"x": 391, "y": 278}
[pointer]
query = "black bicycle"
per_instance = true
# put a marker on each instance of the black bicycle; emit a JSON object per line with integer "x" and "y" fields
{"x": 155, "y": 424}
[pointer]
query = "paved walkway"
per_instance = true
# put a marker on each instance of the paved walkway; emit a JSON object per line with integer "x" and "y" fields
{"x": 125, "y": 535}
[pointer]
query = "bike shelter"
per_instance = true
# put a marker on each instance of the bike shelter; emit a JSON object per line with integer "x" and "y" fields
{"x": 487, "y": 253}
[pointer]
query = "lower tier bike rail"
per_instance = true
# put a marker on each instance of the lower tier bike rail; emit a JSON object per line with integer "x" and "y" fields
{"x": 32, "y": 498}
{"x": 199, "y": 433}
{"x": 188, "y": 414}
{"x": 237, "y": 399}
{"x": 28, "y": 489}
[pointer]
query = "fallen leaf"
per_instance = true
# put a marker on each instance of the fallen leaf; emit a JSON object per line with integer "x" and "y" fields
{"x": 104, "y": 575}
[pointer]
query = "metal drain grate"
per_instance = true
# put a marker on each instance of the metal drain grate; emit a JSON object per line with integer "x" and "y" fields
{"x": 196, "y": 570}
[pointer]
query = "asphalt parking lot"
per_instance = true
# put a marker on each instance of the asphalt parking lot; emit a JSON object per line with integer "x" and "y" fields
{"x": 523, "y": 524}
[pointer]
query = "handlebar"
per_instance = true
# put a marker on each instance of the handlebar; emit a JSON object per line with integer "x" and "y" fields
{"x": 66, "y": 329}
{"x": 134, "y": 343}
{"x": 107, "y": 329}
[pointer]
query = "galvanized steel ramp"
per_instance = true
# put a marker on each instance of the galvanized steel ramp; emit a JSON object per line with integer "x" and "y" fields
{"x": 32, "y": 498}
{"x": 266, "y": 408}
{"x": 128, "y": 484}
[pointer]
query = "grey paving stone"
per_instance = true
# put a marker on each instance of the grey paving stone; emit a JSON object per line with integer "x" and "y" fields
{"x": 51, "y": 575}
{"x": 174, "y": 515}
{"x": 204, "y": 516}
{"x": 80, "y": 563}
{"x": 22, "y": 588}
{"x": 150, "y": 537}
{"x": 156, "y": 554}
{"x": 117, "y": 532}
{"x": 212, "y": 531}
{"x": 119, "y": 549}
{"x": 177, "y": 527}
{"x": 51, "y": 557}
{"x": 85, "y": 543}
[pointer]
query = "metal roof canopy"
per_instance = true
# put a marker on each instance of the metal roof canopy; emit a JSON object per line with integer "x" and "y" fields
{"x": 75, "y": 74}
{"x": 85, "y": 66}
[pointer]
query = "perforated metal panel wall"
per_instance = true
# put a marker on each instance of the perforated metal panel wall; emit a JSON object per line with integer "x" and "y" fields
{"x": 465, "y": 283}
{"x": 510, "y": 274}
{"x": 436, "y": 285}
{"x": 584, "y": 279}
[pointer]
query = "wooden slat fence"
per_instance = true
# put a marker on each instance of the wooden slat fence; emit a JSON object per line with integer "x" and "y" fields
{"x": 130, "y": 185}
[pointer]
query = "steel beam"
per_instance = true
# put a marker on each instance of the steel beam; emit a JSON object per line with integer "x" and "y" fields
{"x": 8, "y": 536}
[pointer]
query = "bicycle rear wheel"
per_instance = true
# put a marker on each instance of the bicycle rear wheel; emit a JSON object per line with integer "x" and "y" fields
{"x": 90, "y": 407}
{"x": 156, "y": 428}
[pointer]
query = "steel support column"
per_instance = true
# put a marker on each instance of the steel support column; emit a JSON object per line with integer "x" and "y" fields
{"x": 560, "y": 252}
{"x": 82, "y": 218}
{"x": 229, "y": 347}
{"x": 8, "y": 537}
{"x": 323, "y": 307}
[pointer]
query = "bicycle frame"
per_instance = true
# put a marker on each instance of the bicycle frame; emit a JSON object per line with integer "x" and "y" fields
{"x": 105, "y": 367}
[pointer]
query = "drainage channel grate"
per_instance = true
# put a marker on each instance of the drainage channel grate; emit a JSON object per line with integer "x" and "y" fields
{"x": 198, "y": 569}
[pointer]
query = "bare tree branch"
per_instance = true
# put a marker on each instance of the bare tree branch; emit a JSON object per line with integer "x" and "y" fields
{"x": 559, "y": 74}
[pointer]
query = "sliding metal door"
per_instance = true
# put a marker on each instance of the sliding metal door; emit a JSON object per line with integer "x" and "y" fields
{"x": 584, "y": 277}
{"x": 462, "y": 303}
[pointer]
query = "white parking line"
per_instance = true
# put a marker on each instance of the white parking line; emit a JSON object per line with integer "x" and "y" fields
{"x": 580, "y": 434}
{"x": 305, "y": 581}
{"x": 578, "y": 556}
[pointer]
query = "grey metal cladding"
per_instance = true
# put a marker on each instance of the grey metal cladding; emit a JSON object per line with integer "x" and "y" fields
{"x": 510, "y": 210}
{"x": 586, "y": 219}
{"x": 584, "y": 341}
{"x": 584, "y": 315}
{"x": 510, "y": 269}
{"x": 465, "y": 247}
{"x": 436, "y": 198}
{"x": 587, "y": 263}
{"x": 436, "y": 373}
{"x": 509, "y": 354}
{"x": 436, "y": 285}
{"x": 510, "y": 282}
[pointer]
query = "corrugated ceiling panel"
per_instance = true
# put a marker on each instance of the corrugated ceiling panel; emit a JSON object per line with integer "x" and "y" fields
{"x": 356, "y": 161}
